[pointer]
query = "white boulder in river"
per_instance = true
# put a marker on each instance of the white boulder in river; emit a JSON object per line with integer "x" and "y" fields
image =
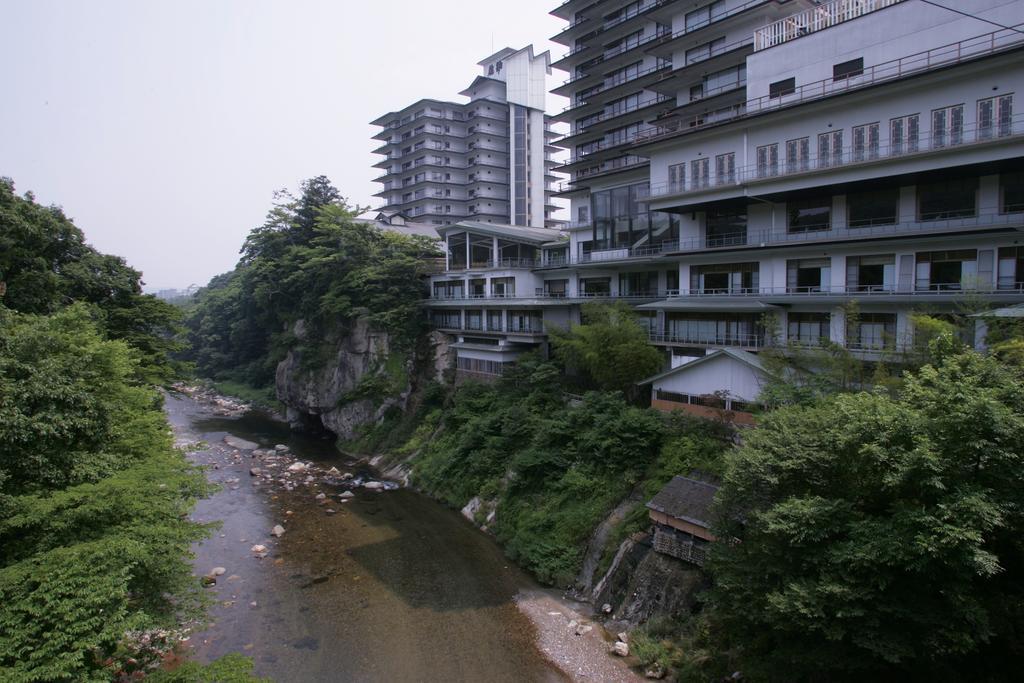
{"x": 297, "y": 467}
{"x": 278, "y": 530}
{"x": 240, "y": 444}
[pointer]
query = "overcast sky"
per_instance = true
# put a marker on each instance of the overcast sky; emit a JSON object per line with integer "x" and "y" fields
{"x": 164, "y": 127}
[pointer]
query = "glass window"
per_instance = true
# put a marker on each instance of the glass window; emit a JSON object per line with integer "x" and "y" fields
{"x": 808, "y": 275}
{"x": 783, "y": 87}
{"x": 948, "y": 126}
{"x": 726, "y": 227}
{"x": 865, "y": 142}
{"x": 481, "y": 248}
{"x": 945, "y": 199}
{"x": 872, "y": 207}
{"x": 876, "y": 273}
{"x": 798, "y": 155}
{"x": 995, "y": 117}
{"x": 809, "y": 215}
{"x": 874, "y": 331}
{"x": 808, "y": 328}
{"x": 946, "y": 270}
{"x": 638, "y": 284}
{"x": 595, "y": 286}
{"x": 1011, "y": 268}
{"x": 700, "y": 173}
{"x": 830, "y": 149}
{"x": 725, "y": 278}
{"x": 725, "y": 168}
{"x": 854, "y": 67}
{"x": 1011, "y": 192}
{"x": 767, "y": 160}
{"x": 457, "y": 251}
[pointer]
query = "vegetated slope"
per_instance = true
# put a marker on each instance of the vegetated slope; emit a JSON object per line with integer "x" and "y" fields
{"x": 319, "y": 303}
{"x": 94, "y": 500}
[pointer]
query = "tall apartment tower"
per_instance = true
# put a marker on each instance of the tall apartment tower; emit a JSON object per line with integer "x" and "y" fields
{"x": 764, "y": 173}
{"x": 486, "y": 160}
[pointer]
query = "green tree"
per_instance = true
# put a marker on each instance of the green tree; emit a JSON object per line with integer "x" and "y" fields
{"x": 311, "y": 261}
{"x": 870, "y": 537}
{"x": 46, "y": 264}
{"x": 94, "y": 501}
{"x": 610, "y": 347}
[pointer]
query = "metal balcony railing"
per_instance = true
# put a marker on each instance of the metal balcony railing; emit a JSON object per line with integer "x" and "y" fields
{"x": 815, "y": 19}
{"x": 926, "y": 142}
{"x": 920, "y": 62}
{"x": 917, "y": 289}
{"x": 614, "y": 113}
{"x": 764, "y": 238}
{"x": 610, "y": 83}
{"x": 753, "y": 341}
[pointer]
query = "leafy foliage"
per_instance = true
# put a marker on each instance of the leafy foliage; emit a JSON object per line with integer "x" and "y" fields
{"x": 310, "y": 262}
{"x": 555, "y": 470}
{"x": 94, "y": 534}
{"x": 231, "y": 668}
{"x": 45, "y": 265}
{"x": 610, "y": 348}
{"x": 873, "y": 537}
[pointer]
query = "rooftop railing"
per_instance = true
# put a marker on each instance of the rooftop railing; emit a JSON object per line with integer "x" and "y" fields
{"x": 815, "y": 19}
{"x": 935, "y": 58}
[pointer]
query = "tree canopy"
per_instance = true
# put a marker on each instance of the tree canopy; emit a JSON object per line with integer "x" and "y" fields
{"x": 609, "y": 347}
{"x": 312, "y": 261}
{"x": 94, "y": 501}
{"x": 868, "y": 537}
{"x": 46, "y": 265}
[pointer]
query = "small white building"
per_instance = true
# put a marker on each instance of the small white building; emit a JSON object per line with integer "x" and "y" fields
{"x": 723, "y": 384}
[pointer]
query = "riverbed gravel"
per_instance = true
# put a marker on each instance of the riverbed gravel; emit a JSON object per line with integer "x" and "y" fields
{"x": 581, "y": 653}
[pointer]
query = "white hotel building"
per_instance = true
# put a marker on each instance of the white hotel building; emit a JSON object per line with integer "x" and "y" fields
{"x": 860, "y": 150}
{"x": 488, "y": 159}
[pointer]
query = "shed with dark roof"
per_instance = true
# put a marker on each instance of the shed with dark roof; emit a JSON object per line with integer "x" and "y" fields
{"x": 684, "y": 504}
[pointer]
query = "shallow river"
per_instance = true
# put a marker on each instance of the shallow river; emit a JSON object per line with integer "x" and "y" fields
{"x": 394, "y": 587}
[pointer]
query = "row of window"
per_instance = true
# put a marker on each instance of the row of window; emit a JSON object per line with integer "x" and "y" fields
{"x": 515, "y": 322}
{"x": 940, "y": 200}
{"x": 994, "y": 119}
{"x": 706, "y": 400}
{"x": 481, "y": 367}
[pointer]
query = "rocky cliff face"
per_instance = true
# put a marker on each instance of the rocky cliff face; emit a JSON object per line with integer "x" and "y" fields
{"x": 317, "y": 397}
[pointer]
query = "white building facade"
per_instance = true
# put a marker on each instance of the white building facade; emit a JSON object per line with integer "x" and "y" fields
{"x": 488, "y": 159}
{"x": 866, "y": 151}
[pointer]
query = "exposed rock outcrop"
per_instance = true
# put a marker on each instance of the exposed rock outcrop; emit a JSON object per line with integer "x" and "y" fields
{"x": 642, "y": 583}
{"x": 319, "y": 392}
{"x": 322, "y": 397}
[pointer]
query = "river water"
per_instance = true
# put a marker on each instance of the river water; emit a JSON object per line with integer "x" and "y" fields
{"x": 393, "y": 587}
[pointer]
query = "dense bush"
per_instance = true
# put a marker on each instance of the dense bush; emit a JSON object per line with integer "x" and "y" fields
{"x": 94, "y": 501}
{"x": 870, "y": 537}
{"x": 555, "y": 470}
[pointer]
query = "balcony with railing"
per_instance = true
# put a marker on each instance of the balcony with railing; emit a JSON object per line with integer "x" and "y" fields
{"x": 945, "y": 56}
{"x": 747, "y": 341}
{"x": 918, "y": 290}
{"x": 815, "y": 19}
{"x": 925, "y": 142}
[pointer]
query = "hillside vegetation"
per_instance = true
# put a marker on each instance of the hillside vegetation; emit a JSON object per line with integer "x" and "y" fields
{"x": 95, "y": 579}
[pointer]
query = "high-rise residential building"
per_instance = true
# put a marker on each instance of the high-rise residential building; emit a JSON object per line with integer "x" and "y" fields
{"x": 488, "y": 159}
{"x": 755, "y": 173}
